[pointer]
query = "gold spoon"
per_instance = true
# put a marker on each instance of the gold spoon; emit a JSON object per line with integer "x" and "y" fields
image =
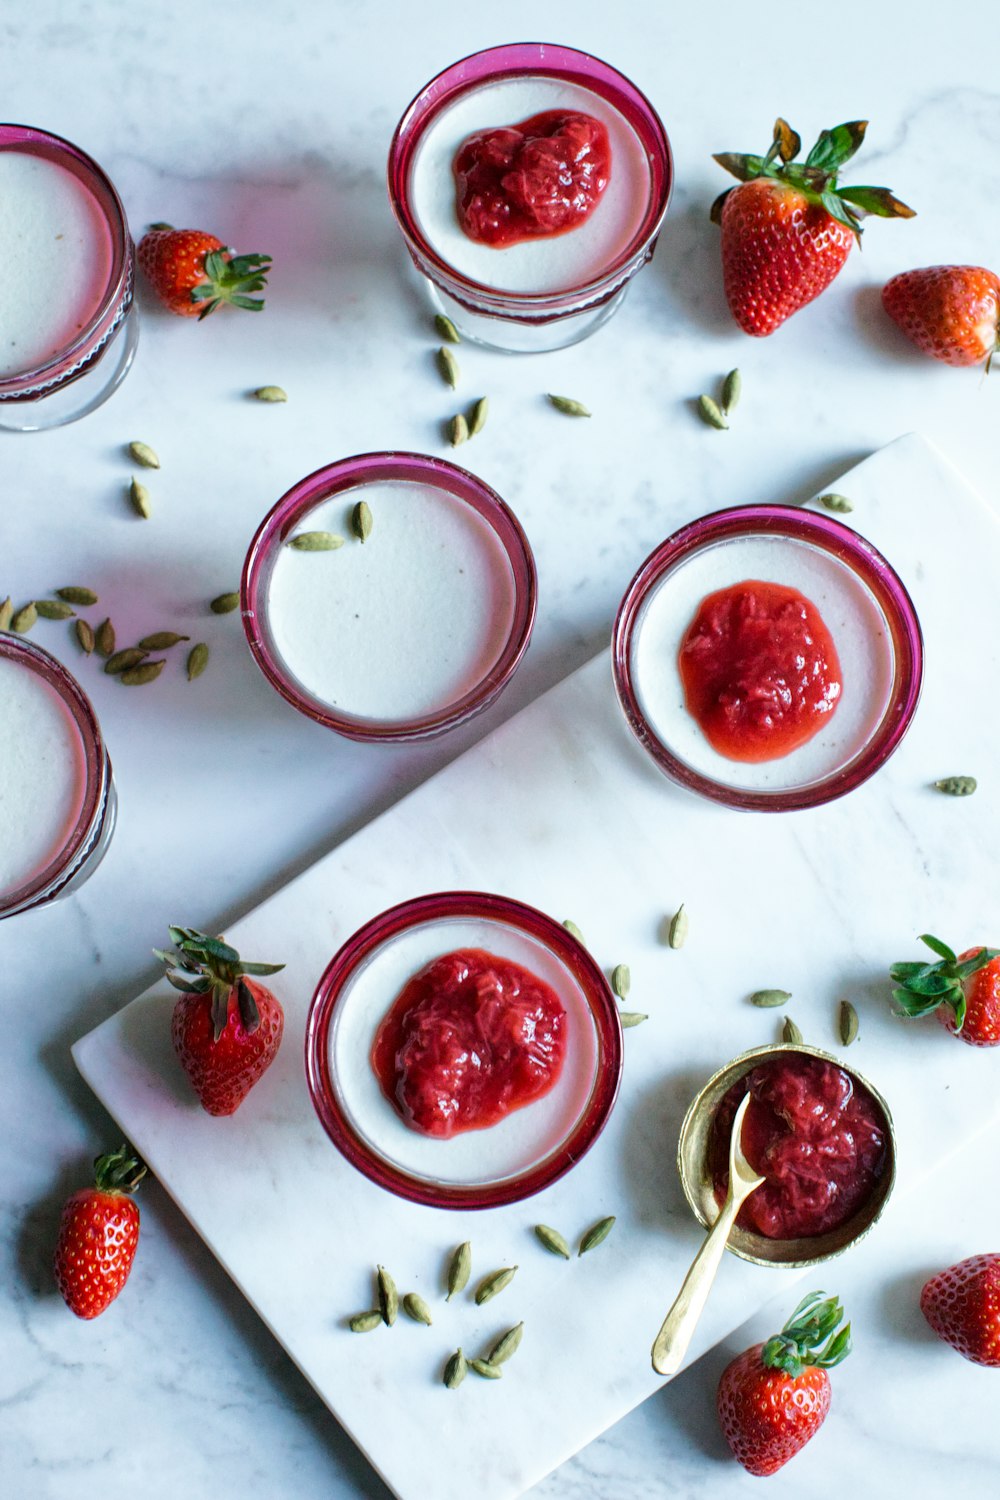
{"x": 678, "y": 1326}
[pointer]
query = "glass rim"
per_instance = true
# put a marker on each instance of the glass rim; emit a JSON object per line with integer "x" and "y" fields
{"x": 353, "y": 473}
{"x": 584, "y": 969}
{"x": 873, "y": 570}
{"x": 555, "y": 61}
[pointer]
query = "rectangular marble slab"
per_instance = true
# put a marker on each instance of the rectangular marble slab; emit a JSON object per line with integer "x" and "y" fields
{"x": 561, "y": 809}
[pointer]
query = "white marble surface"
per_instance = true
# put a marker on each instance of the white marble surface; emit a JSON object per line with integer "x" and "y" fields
{"x": 272, "y": 130}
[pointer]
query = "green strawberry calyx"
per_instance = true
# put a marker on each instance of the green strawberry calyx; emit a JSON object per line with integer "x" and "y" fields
{"x": 200, "y": 965}
{"x": 816, "y": 177}
{"x": 118, "y": 1171}
{"x": 925, "y": 986}
{"x": 811, "y": 1339}
{"x": 230, "y": 278}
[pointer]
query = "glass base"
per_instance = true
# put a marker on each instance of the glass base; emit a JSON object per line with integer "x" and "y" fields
{"x": 78, "y": 397}
{"x": 517, "y": 336}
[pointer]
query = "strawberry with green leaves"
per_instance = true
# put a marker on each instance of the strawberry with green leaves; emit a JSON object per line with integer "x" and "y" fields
{"x": 788, "y": 228}
{"x": 98, "y": 1235}
{"x": 193, "y": 273}
{"x": 963, "y": 989}
{"x": 226, "y": 1027}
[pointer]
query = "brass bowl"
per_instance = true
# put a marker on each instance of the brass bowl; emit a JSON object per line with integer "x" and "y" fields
{"x": 693, "y": 1166}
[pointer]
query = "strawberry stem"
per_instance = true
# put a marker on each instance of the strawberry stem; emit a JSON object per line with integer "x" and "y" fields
{"x": 118, "y": 1171}
{"x": 811, "y": 1338}
{"x": 923, "y": 987}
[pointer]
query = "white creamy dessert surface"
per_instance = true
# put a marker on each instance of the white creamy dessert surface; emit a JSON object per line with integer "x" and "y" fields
{"x": 849, "y": 612}
{"x": 56, "y": 257}
{"x": 400, "y": 625}
{"x": 550, "y": 264}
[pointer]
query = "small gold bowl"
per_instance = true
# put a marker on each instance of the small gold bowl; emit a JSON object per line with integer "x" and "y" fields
{"x": 693, "y": 1165}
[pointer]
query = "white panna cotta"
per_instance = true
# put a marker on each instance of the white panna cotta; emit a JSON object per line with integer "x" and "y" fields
{"x": 42, "y": 775}
{"x": 400, "y": 626}
{"x": 56, "y": 254}
{"x": 851, "y": 614}
{"x": 553, "y": 264}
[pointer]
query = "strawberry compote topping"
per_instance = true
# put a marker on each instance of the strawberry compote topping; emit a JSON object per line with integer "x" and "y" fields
{"x": 817, "y": 1139}
{"x": 759, "y": 669}
{"x": 469, "y": 1039}
{"x": 532, "y": 180}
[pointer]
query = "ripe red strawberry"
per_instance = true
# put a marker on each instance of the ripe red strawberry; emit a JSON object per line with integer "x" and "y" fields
{"x": 192, "y": 272}
{"x": 788, "y": 229}
{"x": 226, "y": 1029}
{"x": 98, "y": 1233}
{"x": 964, "y": 989}
{"x": 962, "y": 1305}
{"x": 774, "y": 1397}
{"x": 950, "y": 312}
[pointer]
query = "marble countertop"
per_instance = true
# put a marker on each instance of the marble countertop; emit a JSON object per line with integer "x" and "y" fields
{"x": 272, "y": 129}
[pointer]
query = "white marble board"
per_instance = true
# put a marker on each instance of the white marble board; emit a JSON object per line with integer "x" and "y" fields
{"x": 560, "y": 808}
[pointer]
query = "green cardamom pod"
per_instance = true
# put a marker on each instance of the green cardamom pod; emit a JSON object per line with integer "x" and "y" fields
{"x": 361, "y": 521}
{"x": 678, "y": 930}
{"x": 388, "y": 1297}
{"x": 458, "y": 430}
{"x": 621, "y": 980}
{"x": 316, "y": 541}
{"x": 732, "y": 389}
{"x": 711, "y": 414}
{"x": 597, "y": 1234}
{"x": 632, "y": 1018}
{"x": 574, "y": 931}
{"x": 447, "y": 366}
{"x": 506, "y": 1345}
{"x": 104, "y": 638}
{"x": 74, "y": 595}
{"x": 270, "y": 393}
{"x": 552, "y": 1240}
{"x": 454, "y": 1370}
{"x": 6, "y": 613}
{"x": 416, "y": 1308}
{"x": 197, "y": 660}
{"x": 147, "y": 671}
{"x": 848, "y": 1023}
{"x": 766, "y": 999}
{"x": 446, "y": 329}
{"x": 568, "y": 406}
{"x": 139, "y": 497}
{"x": 162, "y": 640}
{"x": 25, "y": 618}
{"x": 131, "y": 656}
{"x": 957, "y": 786}
{"x": 839, "y": 503}
{"x": 485, "y": 1368}
{"x": 459, "y": 1270}
{"x": 53, "y": 609}
{"x": 84, "y": 635}
{"x": 143, "y": 455}
{"x": 366, "y": 1321}
{"x": 224, "y": 604}
{"x": 478, "y": 415}
{"x": 492, "y": 1285}
{"x": 790, "y": 1033}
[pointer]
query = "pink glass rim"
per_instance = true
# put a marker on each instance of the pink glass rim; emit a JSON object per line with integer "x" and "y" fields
{"x": 46, "y": 882}
{"x": 849, "y": 548}
{"x": 79, "y": 355}
{"x": 348, "y": 474}
{"x": 542, "y": 58}
{"x": 526, "y": 919}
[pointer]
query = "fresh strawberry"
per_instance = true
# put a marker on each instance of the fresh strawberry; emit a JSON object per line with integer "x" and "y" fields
{"x": 950, "y": 312}
{"x": 226, "y": 1028}
{"x": 962, "y": 1305}
{"x": 963, "y": 988}
{"x": 98, "y": 1233}
{"x": 788, "y": 228}
{"x": 192, "y": 272}
{"x": 774, "y": 1397}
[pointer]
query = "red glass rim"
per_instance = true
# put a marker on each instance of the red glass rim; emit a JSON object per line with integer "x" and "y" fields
{"x": 477, "y": 905}
{"x": 849, "y": 548}
{"x": 80, "y": 354}
{"x": 97, "y": 769}
{"x": 544, "y": 59}
{"x": 349, "y": 474}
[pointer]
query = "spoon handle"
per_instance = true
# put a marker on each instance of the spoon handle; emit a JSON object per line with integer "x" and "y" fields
{"x": 678, "y": 1326}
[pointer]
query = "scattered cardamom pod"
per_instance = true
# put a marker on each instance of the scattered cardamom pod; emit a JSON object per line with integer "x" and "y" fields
{"x": 6, "y": 613}
{"x": 568, "y": 406}
{"x": 143, "y": 455}
{"x": 270, "y": 393}
{"x": 131, "y": 656}
{"x": 74, "y": 595}
{"x": 493, "y": 1284}
{"x": 839, "y": 503}
{"x": 361, "y": 521}
{"x": 416, "y": 1308}
{"x": 957, "y": 786}
{"x": 147, "y": 671}
{"x": 711, "y": 413}
{"x": 766, "y": 999}
{"x": 139, "y": 497}
{"x": 621, "y": 980}
{"x": 506, "y": 1345}
{"x": 790, "y": 1033}
{"x": 732, "y": 389}
{"x": 84, "y": 635}
{"x": 53, "y": 609}
{"x": 454, "y": 1370}
{"x": 485, "y": 1368}
{"x": 458, "y": 430}
{"x": 632, "y": 1018}
{"x": 104, "y": 638}
{"x": 552, "y": 1240}
{"x": 366, "y": 1321}
{"x": 597, "y": 1234}
{"x": 446, "y": 329}
{"x": 224, "y": 604}
{"x": 678, "y": 930}
{"x": 388, "y": 1297}
{"x": 316, "y": 541}
{"x": 162, "y": 640}
{"x": 447, "y": 366}
{"x": 25, "y": 618}
{"x": 848, "y": 1022}
{"x": 573, "y": 930}
{"x": 197, "y": 660}
{"x": 459, "y": 1270}
{"x": 477, "y": 417}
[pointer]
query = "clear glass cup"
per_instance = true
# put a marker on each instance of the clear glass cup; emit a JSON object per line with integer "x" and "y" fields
{"x": 527, "y": 322}
{"x": 80, "y": 376}
{"x": 86, "y": 841}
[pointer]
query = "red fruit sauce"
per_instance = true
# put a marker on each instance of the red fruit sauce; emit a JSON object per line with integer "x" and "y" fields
{"x": 759, "y": 669}
{"x": 532, "y": 180}
{"x": 469, "y": 1039}
{"x": 817, "y": 1138}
